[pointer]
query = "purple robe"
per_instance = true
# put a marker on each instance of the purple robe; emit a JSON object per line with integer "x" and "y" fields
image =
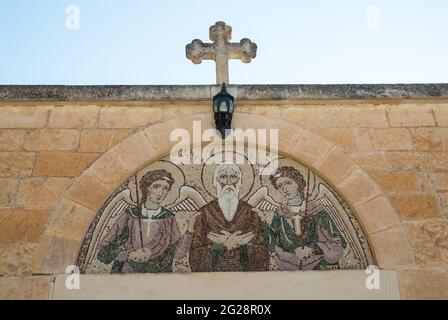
{"x": 164, "y": 232}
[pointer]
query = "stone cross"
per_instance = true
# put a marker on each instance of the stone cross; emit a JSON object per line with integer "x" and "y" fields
{"x": 221, "y": 50}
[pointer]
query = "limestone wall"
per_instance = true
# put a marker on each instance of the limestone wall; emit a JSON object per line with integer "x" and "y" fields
{"x": 401, "y": 146}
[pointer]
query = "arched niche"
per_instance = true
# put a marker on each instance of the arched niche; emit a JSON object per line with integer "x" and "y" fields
{"x": 73, "y": 218}
{"x": 300, "y": 222}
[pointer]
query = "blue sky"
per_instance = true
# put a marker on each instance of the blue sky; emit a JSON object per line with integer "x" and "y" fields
{"x": 143, "y": 41}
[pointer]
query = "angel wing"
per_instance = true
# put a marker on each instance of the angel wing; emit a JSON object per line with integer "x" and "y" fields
{"x": 186, "y": 207}
{"x": 261, "y": 200}
{"x": 119, "y": 204}
{"x": 113, "y": 210}
{"x": 264, "y": 204}
{"x": 189, "y": 200}
{"x": 330, "y": 204}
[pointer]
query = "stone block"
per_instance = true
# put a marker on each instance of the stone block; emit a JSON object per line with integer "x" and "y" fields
{"x": 439, "y": 160}
{"x": 440, "y": 180}
{"x": 429, "y": 240}
{"x": 41, "y": 192}
{"x": 363, "y": 142}
{"x": 136, "y": 150}
{"x": 89, "y": 191}
{"x": 159, "y": 134}
{"x": 14, "y": 164}
{"x": 62, "y": 164}
{"x": 371, "y": 160}
{"x": 343, "y": 138}
{"x": 8, "y": 190}
{"x": 396, "y": 181}
{"x": 298, "y": 115}
{"x": 11, "y": 139}
{"x": 287, "y": 132}
{"x": 441, "y": 115}
{"x": 411, "y": 115}
{"x": 376, "y": 215}
{"x": 340, "y": 116}
{"x": 26, "y": 225}
{"x": 26, "y": 288}
{"x": 111, "y": 168}
{"x": 70, "y": 219}
{"x": 99, "y": 140}
{"x": 128, "y": 117}
{"x": 16, "y": 258}
{"x": 311, "y": 149}
{"x": 271, "y": 111}
{"x": 73, "y": 116}
{"x": 391, "y": 139}
{"x": 408, "y": 160}
{"x": 23, "y": 117}
{"x": 52, "y": 139}
{"x": 392, "y": 249}
{"x": 55, "y": 254}
{"x": 336, "y": 166}
{"x": 181, "y": 110}
{"x": 443, "y": 201}
{"x": 366, "y": 117}
{"x": 430, "y": 139}
{"x": 359, "y": 188}
{"x": 415, "y": 206}
{"x": 425, "y": 183}
{"x": 423, "y": 284}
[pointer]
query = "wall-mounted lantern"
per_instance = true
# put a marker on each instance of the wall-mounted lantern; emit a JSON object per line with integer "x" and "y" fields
{"x": 223, "y": 107}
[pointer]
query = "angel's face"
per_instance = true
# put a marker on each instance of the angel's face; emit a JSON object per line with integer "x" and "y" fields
{"x": 288, "y": 188}
{"x": 158, "y": 190}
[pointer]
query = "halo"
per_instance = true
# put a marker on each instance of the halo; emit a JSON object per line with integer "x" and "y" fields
{"x": 176, "y": 172}
{"x": 285, "y": 162}
{"x": 247, "y": 171}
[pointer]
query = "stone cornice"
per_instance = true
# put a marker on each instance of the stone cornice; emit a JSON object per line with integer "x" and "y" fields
{"x": 241, "y": 92}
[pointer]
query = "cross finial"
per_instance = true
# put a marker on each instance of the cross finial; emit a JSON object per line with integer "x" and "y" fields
{"x": 221, "y": 50}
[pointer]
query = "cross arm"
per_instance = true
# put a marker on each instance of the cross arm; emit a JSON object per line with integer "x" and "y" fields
{"x": 197, "y": 51}
{"x": 245, "y": 50}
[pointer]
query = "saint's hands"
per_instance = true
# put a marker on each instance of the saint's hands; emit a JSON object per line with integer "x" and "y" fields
{"x": 141, "y": 255}
{"x": 222, "y": 238}
{"x": 238, "y": 239}
{"x": 217, "y": 238}
{"x": 231, "y": 240}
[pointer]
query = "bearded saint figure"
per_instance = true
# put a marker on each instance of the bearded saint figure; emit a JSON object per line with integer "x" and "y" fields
{"x": 228, "y": 235}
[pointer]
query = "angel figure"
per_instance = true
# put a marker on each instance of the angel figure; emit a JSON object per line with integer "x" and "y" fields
{"x": 146, "y": 237}
{"x": 302, "y": 236}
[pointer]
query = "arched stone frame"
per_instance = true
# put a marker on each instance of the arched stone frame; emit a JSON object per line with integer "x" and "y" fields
{"x": 71, "y": 218}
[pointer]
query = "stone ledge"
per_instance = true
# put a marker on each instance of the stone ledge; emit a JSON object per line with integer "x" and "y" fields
{"x": 242, "y": 92}
{"x": 342, "y": 284}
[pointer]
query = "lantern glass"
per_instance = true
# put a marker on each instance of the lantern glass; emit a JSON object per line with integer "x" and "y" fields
{"x": 231, "y": 106}
{"x": 215, "y": 106}
{"x": 223, "y": 102}
{"x": 224, "y": 106}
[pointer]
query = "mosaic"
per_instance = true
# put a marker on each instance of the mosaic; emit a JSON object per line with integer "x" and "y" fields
{"x": 223, "y": 217}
